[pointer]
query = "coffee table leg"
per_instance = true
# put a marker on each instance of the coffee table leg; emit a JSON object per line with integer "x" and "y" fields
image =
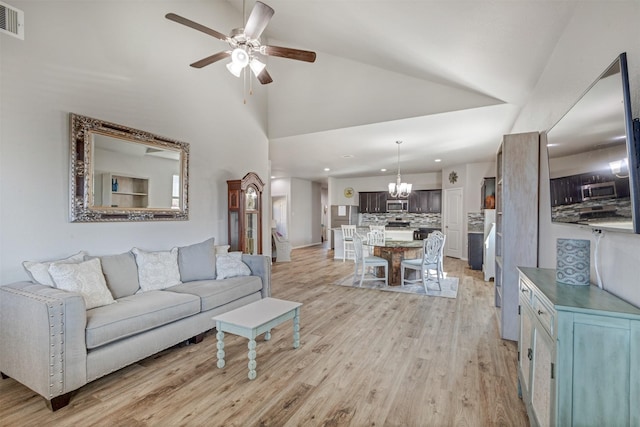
{"x": 220, "y": 345}
{"x": 252, "y": 359}
{"x": 296, "y": 328}
{"x": 267, "y": 335}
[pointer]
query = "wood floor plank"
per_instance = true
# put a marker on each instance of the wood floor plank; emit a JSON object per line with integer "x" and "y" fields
{"x": 366, "y": 358}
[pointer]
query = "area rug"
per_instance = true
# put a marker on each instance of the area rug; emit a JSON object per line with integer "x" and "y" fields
{"x": 449, "y": 287}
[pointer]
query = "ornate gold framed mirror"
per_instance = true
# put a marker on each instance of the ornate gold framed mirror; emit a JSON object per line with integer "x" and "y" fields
{"x": 118, "y": 173}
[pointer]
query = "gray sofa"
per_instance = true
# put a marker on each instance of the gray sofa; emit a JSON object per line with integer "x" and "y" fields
{"x": 52, "y": 344}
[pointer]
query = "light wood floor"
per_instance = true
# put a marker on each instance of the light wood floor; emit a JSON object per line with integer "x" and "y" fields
{"x": 366, "y": 358}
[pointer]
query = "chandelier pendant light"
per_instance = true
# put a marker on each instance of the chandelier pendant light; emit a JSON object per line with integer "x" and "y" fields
{"x": 399, "y": 189}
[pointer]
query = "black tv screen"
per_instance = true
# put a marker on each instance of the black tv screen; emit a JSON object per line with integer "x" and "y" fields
{"x": 593, "y": 157}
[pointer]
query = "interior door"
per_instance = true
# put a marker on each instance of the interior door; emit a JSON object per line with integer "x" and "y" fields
{"x": 453, "y": 222}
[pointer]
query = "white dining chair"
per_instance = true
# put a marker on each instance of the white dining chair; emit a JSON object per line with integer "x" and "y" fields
{"x": 347, "y": 241}
{"x": 365, "y": 262}
{"x": 430, "y": 261}
{"x": 374, "y": 238}
{"x": 443, "y": 237}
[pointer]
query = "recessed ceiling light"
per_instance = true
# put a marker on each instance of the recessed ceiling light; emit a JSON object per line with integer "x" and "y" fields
{"x": 347, "y": 156}
{"x": 383, "y": 170}
{"x": 327, "y": 169}
{"x": 437, "y": 160}
{"x": 273, "y": 177}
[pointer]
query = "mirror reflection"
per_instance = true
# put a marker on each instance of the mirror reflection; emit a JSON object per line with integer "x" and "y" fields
{"x": 124, "y": 174}
{"x": 134, "y": 175}
{"x": 588, "y": 160}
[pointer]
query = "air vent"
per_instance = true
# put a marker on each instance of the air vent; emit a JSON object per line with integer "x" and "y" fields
{"x": 11, "y": 21}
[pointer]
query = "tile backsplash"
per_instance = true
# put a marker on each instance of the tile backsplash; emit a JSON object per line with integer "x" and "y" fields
{"x": 416, "y": 220}
{"x": 475, "y": 221}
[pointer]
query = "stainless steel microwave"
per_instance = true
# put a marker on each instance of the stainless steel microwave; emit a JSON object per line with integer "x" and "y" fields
{"x": 397, "y": 205}
{"x": 598, "y": 191}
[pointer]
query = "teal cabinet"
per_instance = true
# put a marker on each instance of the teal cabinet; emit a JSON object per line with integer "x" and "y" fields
{"x": 578, "y": 354}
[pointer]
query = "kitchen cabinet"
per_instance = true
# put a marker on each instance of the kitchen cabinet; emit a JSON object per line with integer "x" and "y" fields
{"x": 474, "y": 249}
{"x": 373, "y": 201}
{"x": 568, "y": 190}
{"x": 244, "y": 197}
{"x": 577, "y": 353}
{"x": 516, "y": 241}
{"x": 425, "y": 201}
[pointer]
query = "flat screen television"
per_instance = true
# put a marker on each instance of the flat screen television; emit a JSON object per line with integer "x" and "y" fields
{"x": 593, "y": 157}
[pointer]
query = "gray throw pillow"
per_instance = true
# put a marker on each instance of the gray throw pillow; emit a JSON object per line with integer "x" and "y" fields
{"x": 121, "y": 274}
{"x": 197, "y": 261}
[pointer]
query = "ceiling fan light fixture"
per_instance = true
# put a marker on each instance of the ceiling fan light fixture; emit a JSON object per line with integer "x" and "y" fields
{"x": 256, "y": 66}
{"x": 240, "y": 57}
{"x": 234, "y": 68}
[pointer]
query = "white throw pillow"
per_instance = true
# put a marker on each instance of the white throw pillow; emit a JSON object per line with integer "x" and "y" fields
{"x": 39, "y": 271}
{"x": 222, "y": 249}
{"x": 86, "y": 278}
{"x": 157, "y": 270}
{"x": 231, "y": 265}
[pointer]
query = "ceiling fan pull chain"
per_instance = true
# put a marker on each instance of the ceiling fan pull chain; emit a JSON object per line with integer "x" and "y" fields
{"x": 244, "y": 84}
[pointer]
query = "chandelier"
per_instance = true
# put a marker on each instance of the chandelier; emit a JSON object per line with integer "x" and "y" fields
{"x": 399, "y": 188}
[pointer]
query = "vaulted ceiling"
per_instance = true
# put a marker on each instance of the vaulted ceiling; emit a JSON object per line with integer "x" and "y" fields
{"x": 448, "y": 78}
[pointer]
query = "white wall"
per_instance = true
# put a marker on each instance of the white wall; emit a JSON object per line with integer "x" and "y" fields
{"x": 595, "y": 36}
{"x": 125, "y": 63}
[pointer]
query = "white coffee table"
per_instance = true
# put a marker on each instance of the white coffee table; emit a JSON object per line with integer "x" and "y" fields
{"x": 254, "y": 319}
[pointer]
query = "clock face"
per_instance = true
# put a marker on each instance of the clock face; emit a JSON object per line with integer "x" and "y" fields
{"x": 453, "y": 177}
{"x": 348, "y": 192}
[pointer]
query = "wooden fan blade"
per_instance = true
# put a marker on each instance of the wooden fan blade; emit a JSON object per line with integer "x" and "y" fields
{"x": 211, "y": 59}
{"x": 285, "y": 52}
{"x": 264, "y": 77}
{"x": 195, "y": 26}
{"x": 258, "y": 19}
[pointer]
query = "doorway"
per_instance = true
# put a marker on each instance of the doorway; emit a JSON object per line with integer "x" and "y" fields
{"x": 453, "y": 222}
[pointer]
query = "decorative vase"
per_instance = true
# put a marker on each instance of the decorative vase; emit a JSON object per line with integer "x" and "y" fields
{"x": 114, "y": 184}
{"x": 573, "y": 261}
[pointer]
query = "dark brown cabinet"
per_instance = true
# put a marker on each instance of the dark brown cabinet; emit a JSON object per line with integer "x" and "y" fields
{"x": 245, "y": 214}
{"x": 373, "y": 201}
{"x": 569, "y": 189}
{"x": 425, "y": 201}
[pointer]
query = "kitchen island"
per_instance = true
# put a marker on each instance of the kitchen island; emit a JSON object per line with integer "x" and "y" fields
{"x": 395, "y": 251}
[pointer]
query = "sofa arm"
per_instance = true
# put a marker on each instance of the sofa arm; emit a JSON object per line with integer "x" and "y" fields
{"x": 42, "y": 336}
{"x": 260, "y": 265}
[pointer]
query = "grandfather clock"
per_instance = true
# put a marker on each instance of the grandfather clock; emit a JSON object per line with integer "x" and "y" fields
{"x": 245, "y": 214}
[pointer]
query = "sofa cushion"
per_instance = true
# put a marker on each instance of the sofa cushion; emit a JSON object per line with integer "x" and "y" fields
{"x": 137, "y": 313}
{"x": 214, "y": 293}
{"x": 39, "y": 271}
{"x": 157, "y": 270}
{"x": 198, "y": 261}
{"x": 231, "y": 265}
{"x": 85, "y": 278}
{"x": 121, "y": 274}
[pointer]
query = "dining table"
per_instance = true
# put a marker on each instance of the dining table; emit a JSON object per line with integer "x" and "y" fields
{"x": 395, "y": 251}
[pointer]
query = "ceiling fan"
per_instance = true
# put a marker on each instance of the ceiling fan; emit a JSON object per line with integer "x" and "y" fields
{"x": 245, "y": 44}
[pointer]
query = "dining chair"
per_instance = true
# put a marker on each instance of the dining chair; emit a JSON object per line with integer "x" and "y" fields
{"x": 432, "y": 254}
{"x": 443, "y": 237}
{"x": 364, "y": 262}
{"x": 374, "y": 238}
{"x": 347, "y": 241}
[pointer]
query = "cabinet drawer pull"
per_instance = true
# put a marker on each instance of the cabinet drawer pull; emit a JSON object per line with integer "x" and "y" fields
{"x": 530, "y": 354}
{"x": 540, "y": 312}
